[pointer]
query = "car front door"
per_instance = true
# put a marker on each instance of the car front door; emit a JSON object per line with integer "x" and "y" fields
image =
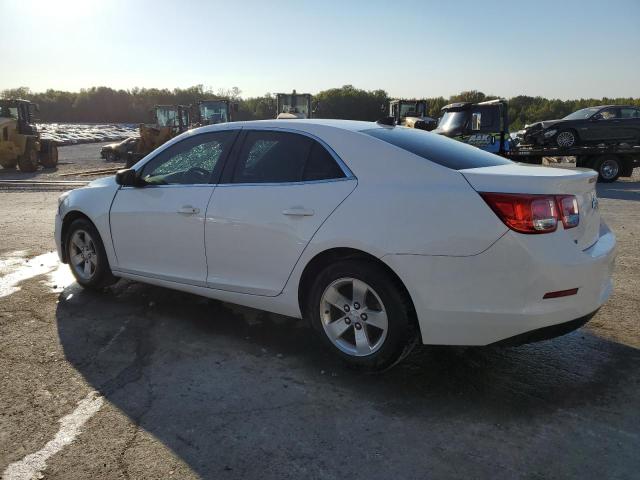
{"x": 604, "y": 125}
{"x": 280, "y": 188}
{"x": 158, "y": 228}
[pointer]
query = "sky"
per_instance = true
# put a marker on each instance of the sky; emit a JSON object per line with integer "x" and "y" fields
{"x": 556, "y": 49}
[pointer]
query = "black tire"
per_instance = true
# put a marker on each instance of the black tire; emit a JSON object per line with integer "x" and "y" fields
{"x": 28, "y": 162}
{"x": 567, "y": 139}
{"x": 8, "y": 163}
{"x": 101, "y": 275}
{"x": 608, "y": 168}
{"x": 49, "y": 155}
{"x": 402, "y": 332}
{"x": 111, "y": 156}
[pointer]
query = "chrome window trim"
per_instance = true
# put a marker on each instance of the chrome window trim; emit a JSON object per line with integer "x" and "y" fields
{"x": 345, "y": 169}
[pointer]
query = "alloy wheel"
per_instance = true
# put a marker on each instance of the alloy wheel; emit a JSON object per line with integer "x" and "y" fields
{"x": 353, "y": 317}
{"x": 566, "y": 139}
{"x": 83, "y": 255}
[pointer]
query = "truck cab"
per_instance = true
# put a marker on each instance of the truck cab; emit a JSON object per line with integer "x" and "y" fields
{"x": 484, "y": 125}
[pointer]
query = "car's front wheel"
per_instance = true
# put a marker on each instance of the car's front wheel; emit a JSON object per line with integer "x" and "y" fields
{"x": 363, "y": 314}
{"x": 566, "y": 139}
{"x": 87, "y": 257}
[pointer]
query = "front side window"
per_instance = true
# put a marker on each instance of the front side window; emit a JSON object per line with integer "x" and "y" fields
{"x": 189, "y": 162}
{"x": 582, "y": 114}
{"x": 608, "y": 114}
{"x": 283, "y": 157}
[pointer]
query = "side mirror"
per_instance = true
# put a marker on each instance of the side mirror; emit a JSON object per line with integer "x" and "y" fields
{"x": 127, "y": 178}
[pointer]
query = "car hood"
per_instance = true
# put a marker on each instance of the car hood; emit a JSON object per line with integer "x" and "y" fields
{"x": 103, "y": 182}
{"x": 542, "y": 125}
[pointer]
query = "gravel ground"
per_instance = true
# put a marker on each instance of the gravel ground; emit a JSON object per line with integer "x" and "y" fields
{"x": 188, "y": 388}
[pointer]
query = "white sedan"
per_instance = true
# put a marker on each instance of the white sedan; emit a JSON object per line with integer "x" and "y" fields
{"x": 380, "y": 236}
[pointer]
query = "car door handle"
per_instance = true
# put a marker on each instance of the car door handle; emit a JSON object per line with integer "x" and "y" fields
{"x": 298, "y": 212}
{"x": 188, "y": 210}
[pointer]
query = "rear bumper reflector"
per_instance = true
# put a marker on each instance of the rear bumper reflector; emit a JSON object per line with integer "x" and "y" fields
{"x": 561, "y": 293}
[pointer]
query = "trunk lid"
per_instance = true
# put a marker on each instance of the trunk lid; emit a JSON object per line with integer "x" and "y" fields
{"x": 532, "y": 179}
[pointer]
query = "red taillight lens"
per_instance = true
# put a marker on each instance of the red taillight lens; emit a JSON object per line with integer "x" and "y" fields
{"x": 569, "y": 213}
{"x": 524, "y": 213}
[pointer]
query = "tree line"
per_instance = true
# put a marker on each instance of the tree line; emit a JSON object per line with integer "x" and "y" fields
{"x": 108, "y": 105}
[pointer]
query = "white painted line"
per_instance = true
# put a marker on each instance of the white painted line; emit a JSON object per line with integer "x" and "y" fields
{"x": 32, "y": 466}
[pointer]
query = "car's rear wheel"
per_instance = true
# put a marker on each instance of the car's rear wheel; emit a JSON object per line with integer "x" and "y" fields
{"x": 608, "y": 168}
{"x": 87, "y": 257}
{"x": 566, "y": 139}
{"x": 362, "y": 314}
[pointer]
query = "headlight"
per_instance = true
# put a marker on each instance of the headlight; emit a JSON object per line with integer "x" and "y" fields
{"x": 550, "y": 133}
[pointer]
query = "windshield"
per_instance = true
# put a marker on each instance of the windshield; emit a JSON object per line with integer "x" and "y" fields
{"x": 582, "y": 114}
{"x": 289, "y": 104}
{"x": 452, "y": 121}
{"x": 8, "y": 112}
{"x": 213, "y": 112}
{"x": 410, "y": 110}
{"x": 167, "y": 117}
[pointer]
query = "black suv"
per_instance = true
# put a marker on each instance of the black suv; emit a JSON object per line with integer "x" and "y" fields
{"x": 603, "y": 124}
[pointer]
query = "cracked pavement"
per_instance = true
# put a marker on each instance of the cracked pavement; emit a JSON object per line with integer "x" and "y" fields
{"x": 200, "y": 389}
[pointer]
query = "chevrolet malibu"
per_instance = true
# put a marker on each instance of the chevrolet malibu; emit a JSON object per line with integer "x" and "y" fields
{"x": 381, "y": 236}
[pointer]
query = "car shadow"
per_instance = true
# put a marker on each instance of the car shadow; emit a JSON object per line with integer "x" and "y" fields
{"x": 228, "y": 387}
{"x": 620, "y": 190}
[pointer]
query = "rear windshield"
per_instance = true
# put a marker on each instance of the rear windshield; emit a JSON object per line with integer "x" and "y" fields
{"x": 438, "y": 149}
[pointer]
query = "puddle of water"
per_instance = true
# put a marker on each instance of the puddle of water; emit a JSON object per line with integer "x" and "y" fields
{"x": 15, "y": 269}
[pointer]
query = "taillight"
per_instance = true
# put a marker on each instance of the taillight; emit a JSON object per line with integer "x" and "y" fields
{"x": 569, "y": 213}
{"x": 526, "y": 213}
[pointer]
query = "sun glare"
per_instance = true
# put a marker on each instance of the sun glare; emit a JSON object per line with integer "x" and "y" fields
{"x": 61, "y": 9}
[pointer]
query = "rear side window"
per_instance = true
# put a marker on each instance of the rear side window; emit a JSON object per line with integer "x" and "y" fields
{"x": 282, "y": 157}
{"x": 321, "y": 165}
{"x": 437, "y": 148}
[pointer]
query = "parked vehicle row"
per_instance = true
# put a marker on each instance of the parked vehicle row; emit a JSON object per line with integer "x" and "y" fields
{"x": 381, "y": 236}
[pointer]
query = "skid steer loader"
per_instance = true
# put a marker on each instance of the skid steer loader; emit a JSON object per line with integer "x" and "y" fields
{"x": 20, "y": 142}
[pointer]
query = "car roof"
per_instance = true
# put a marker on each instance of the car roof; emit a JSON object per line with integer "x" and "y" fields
{"x": 297, "y": 124}
{"x": 610, "y": 106}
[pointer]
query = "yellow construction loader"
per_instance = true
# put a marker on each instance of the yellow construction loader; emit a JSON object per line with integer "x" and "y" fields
{"x": 20, "y": 142}
{"x": 170, "y": 120}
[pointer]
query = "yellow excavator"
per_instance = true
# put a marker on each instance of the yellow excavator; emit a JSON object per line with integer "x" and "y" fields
{"x": 20, "y": 142}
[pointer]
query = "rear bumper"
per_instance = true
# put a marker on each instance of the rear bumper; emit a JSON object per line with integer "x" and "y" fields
{"x": 498, "y": 294}
{"x": 545, "y": 333}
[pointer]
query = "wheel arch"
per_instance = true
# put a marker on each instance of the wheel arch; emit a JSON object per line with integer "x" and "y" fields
{"x": 332, "y": 255}
{"x": 68, "y": 219}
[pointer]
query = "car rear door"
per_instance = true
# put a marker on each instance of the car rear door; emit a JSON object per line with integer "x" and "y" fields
{"x": 158, "y": 228}
{"x": 279, "y": 187}
{"x": 629, "y": 124}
